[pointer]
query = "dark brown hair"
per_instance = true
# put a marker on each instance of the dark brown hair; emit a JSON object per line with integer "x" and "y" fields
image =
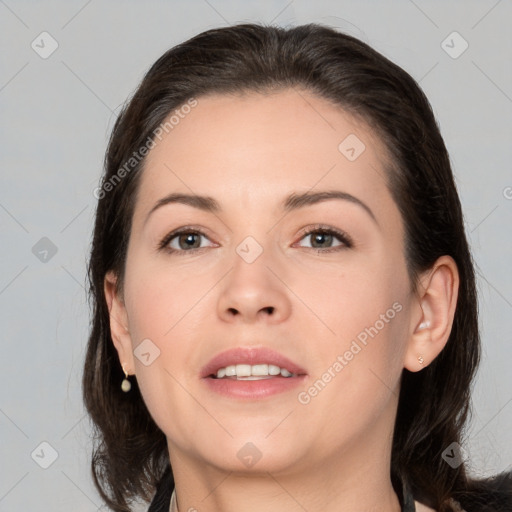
{"x": 131, "y": 451}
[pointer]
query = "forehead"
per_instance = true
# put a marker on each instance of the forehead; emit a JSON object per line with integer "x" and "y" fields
{"x": 251, "y": 147}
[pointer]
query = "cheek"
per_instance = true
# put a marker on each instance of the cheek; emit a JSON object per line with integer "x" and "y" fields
{"x": 163, "y": 299}
{"x": 364, "y": 312}
{"x": 354, "y": 294}
{"x": 173, "y": 306}
{"x": 356, "y": 378}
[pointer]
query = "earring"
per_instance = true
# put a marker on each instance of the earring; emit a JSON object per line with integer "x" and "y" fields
{"x": 424, "y": 325}
{"x": 420, "y": 359}
{"x": 126, "y": 384}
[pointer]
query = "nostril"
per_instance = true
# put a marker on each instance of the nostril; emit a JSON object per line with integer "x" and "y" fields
{"x": 268, "y": 309}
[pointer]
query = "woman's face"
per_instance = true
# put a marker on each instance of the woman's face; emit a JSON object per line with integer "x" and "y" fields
{"x": 246, "y": 274}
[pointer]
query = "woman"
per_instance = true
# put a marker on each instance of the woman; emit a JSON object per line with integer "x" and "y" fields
{"x": 280, "y": 274}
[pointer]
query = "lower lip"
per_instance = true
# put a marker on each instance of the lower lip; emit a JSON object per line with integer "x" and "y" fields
{"x": 253, "y": 389}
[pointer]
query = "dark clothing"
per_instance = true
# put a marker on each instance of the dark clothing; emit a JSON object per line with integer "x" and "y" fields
{"x": 162, "y": 499}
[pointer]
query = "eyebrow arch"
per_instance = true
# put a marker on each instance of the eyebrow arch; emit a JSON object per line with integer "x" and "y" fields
{"x": 205, "y": 203}
{"x": 295, "y": 201}
{"x": 292, "y": 202}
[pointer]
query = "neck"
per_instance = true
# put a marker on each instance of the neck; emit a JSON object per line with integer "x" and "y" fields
{"x": 346, "y": 480}
{"x": 277, "y": 494}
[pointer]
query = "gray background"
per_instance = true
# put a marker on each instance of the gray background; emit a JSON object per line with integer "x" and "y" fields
{"x": 56, "y": 114}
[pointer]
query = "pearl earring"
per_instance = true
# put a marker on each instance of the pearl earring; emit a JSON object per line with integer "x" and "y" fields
{"x": 126, "y": 384}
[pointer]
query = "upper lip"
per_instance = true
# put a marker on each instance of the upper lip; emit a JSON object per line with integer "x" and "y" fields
{"x": 252, "y": 356}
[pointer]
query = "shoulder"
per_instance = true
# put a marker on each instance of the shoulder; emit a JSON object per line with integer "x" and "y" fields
{"x": 422, "y": 508}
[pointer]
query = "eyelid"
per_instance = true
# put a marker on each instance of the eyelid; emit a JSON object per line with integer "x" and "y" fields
{"x": 342, "y": 236}
{"x": 164, "y": 243}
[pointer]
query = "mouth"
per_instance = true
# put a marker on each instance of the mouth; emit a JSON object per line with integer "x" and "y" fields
{"x": 260, "y": 371}
{"x": 251, "y": 373}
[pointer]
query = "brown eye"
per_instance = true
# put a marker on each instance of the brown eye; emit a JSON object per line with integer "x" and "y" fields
{"x": 321, "y": 240}
{"x": 189, "y": 241}
{"x": 183, "y": 241}
{"x": 325, "y": 239}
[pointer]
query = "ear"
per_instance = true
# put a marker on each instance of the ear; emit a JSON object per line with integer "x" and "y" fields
{"x": 119, "y": 323}
{"x": 435, "y": 309}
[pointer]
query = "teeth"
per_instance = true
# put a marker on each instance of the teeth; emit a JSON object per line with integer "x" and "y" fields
{"x": 230, "y": 371}
{"x": 258, "y": 369}
{"x": 252, "y": 372}
{"x": 243, "y": 370}
{"x": 273, "y": 369}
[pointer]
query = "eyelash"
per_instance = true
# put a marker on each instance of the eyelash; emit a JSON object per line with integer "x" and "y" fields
{"x": 324, "y": 230}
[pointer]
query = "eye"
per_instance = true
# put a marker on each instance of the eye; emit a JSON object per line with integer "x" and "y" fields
{"x": 184, "y": 240}
{"x": 323, "y": 238}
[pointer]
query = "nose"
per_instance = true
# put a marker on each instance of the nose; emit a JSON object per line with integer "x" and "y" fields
{"x": 251, "y": 292}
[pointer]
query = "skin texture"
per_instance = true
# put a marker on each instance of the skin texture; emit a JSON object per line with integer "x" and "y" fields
{"x": 249, "y": 152}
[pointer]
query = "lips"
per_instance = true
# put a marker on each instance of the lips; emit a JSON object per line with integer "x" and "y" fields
{"x": 244, "y": 361}
{"x": 249, "y": 356}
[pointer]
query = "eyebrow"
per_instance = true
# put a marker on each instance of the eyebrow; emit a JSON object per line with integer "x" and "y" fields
{"x": 292, "y": 202}
{"x": 295, "y": 201}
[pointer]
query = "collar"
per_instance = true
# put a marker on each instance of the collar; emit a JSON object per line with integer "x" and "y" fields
{"x": 173, "y": 507}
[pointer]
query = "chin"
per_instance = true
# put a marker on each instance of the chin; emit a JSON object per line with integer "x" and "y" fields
{"x": 250, "y": 454}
